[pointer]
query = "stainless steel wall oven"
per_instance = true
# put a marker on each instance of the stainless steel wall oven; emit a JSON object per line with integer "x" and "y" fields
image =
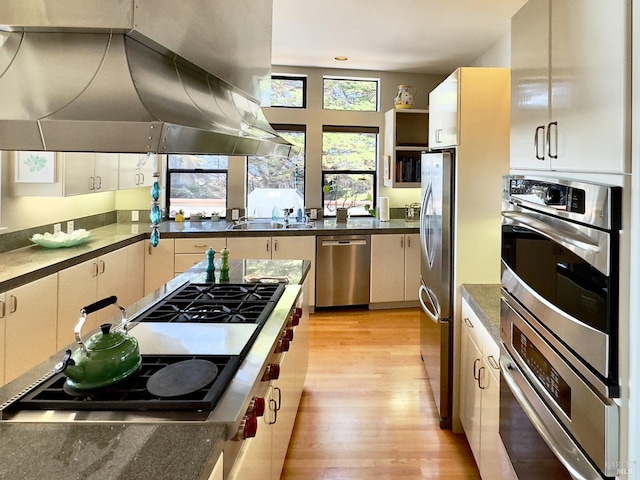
{"x": 559, "y": 327}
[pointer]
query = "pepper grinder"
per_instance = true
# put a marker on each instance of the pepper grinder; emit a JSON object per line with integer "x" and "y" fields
{"x": 224, "y": 268}
{"x": 211, "y": 269}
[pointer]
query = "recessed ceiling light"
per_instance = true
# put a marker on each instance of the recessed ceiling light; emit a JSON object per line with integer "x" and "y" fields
{"x": 341, "y": 58}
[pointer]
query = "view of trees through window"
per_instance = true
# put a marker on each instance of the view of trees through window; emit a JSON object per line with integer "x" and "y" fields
{"x": 348, "y": 168}
{"x": 197, "y": 184}
{"x": 277, "y": 183}
{"x": 288, "y": 91}
{"x": 350, "y": 94}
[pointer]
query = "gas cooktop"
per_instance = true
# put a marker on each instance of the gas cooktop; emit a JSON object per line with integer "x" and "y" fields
{"x": 216, "y": 303}
{"x": 133, "y": 393}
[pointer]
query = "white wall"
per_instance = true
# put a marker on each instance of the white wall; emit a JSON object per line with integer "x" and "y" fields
{"x": 314, "y": 117}
{"x": 499, "y": 55}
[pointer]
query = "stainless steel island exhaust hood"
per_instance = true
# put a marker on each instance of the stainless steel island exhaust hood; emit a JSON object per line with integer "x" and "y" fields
{"x": 136, "y": 76}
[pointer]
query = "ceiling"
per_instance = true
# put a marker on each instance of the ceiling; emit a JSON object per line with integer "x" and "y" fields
{"x": 419, "y": 36}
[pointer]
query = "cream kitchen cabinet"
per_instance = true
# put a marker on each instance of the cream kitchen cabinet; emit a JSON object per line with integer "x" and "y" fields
{"x": 395, "y": 267}
{"x": 570, "y": 78}
{"x": 406, "y": 134}
{"x": 480, "y": 392}
{"x": 190, "y": 251}
{"x": 30, "y": 325}
{"x": 3, "y": 313}
{"x": 443, "y": 112}
{"x": 136, "y": 170}
{"x": 158, "y": 264}
{"x": 280, "y": 247}
{"x": 77, "y": 173}
{"x": 85, "y": 283}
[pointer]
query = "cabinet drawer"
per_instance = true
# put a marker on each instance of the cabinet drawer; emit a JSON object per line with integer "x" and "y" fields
{"x": 199, "y": 245}
{"x": 185, "y": 261}
{"x": 472, "y": 324}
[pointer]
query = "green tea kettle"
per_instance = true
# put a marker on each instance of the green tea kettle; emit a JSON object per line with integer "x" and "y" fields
{"x": 106, "y": 358}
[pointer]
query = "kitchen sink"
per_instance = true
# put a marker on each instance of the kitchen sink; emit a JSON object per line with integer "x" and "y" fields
{"x": 300, "y": 225}
{"x": 257, "y": 225}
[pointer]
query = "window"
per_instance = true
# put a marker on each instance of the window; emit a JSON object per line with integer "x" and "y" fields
{"x": 277, "y": 183}
{"x": 197, "y": 184}
{"x": 288, "y": 91}
{"x": 350, "y": 94}
{"x": 348, "y": 168}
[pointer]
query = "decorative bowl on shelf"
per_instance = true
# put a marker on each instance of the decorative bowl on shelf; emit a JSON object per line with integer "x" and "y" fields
{"x": 61, "y": 239}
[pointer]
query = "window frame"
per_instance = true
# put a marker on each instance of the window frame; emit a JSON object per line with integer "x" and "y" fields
{"x": 302, "y": 78}
{"x": 283, "y": 127}
{"x": 354, "y": 79}
{"x": 170, "y": 170}
{"x": 374, "y": 173}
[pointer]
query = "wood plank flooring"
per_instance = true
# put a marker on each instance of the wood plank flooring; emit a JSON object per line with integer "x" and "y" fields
{"x": 367, "y": 411}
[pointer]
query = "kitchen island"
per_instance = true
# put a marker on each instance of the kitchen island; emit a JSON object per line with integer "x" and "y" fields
{"x": 147, "y": 448}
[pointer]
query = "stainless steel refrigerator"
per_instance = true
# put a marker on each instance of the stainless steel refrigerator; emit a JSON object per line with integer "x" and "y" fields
{"x": 436, "y": 289}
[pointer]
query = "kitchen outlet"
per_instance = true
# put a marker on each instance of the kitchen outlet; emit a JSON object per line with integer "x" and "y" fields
{"x": 70, "y": 226}
{"x": 235, "y": 214}
{"x": 313, "y": 214}
{"x": 135, "y": 216}
{"x": 57, "y": 227}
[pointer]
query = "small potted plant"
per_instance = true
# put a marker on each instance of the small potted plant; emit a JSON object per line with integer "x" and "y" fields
{"x": 180, "y": 216}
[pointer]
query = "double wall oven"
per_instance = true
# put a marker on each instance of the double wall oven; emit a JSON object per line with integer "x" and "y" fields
{"x": 559, "y": 327}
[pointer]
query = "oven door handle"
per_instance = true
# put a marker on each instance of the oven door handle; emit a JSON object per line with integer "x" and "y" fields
{"x": 546, "y": 424}
{"x": 574, "y": 238}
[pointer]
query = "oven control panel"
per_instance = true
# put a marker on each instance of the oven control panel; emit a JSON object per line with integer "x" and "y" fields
{"x": 554, "y": 195}
{"x": 548, "y": 376}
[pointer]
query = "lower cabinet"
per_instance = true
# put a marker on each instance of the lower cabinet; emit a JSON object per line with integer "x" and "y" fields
{"x": 280, "y": 247}
{"x": 395, "y": 267}
{"x": 480, "y": 393}
{"x": 30, "y": 325}
{"x": 87, "y": 282}
{"x": 158, "y": 264}
{"x": 3, "y": 310}
{"x": 190, "y": 251}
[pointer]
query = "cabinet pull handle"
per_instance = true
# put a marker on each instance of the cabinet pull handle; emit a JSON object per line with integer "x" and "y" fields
{"x": 274, "y": 409}
{"x": 439, "y": 135}
{"x": 141, "y": 176}
{"x": 150, "y": 248}
{"x": 268, "y": 246}
{"x": 408, "y": 242}
{"x": 476, "y": 372}
{"x": 103, "y": 267}
{"x": 99, "y": 179}
{"x": 279, "y": 392}
{"x": 92, "y": 183}
{"x": 493, "y": 362}
{"x": 401, "y": 242}
{"x": 14, "y": 304}
{"x": 480, "y": 377}
{"x": 536, "y": 142}
{"x": 200, "y": 245}
{"x": 468, "y": 322}
{"x": 555, "y": 139}
{"x": 96, "y": 269}
{"x": 2, "y": 309}
{"x": 275, "y": 245}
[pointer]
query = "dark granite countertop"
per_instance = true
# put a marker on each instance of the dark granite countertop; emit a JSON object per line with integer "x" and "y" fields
{"x": 21, "y": 266}
{"x": 484, "y": 299}
{"x": 118, "y": 450}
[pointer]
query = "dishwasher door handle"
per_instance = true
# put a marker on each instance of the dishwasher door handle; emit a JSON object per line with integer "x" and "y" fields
{"x": 342, "y": 243}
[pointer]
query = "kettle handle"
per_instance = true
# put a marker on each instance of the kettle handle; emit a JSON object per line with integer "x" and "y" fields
{"x": 94, "y": 307}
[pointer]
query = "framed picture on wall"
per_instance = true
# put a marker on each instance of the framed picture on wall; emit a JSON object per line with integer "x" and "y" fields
{"x": 35, "y": 167}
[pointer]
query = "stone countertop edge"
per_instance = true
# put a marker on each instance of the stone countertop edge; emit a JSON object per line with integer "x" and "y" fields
{"x": 484, "y": 300}
{"x": 24, "y": 265}
{"x": 112, "y": 450}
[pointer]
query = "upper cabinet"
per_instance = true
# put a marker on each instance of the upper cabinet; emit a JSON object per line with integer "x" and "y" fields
{"x": 75, "y": 173}
{"x": 405, "y": 136}
{"x": 136, "y": 170}
{"x": 570, "y": 80}
{"x": 443, "y": 108}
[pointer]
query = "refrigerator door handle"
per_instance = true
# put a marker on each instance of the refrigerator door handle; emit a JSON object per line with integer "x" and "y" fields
{"x": 434, "y": 316}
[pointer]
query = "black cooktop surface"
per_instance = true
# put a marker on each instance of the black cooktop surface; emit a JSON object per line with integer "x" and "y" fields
{"x": 132, "y": 393}
{"x": 216, "y": 303}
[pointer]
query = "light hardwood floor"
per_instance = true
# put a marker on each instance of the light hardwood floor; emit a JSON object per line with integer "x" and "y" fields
{"x": 367, "y": 411}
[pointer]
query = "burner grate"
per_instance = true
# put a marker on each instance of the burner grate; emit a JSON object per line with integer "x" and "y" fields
{"x": 132, "y": 394}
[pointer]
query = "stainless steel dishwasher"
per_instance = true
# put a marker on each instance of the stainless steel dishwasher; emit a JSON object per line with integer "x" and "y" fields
{"x": 342, "y": 270}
